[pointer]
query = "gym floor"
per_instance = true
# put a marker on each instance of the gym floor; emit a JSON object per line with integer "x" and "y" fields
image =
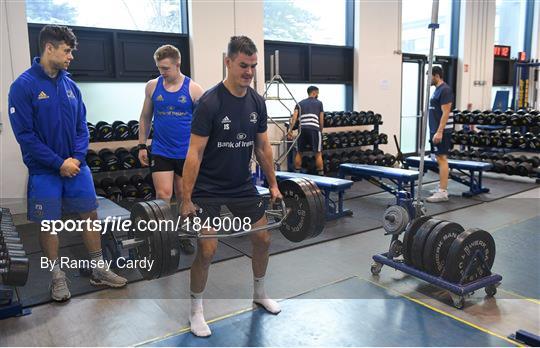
{"x": 328, "y": 296}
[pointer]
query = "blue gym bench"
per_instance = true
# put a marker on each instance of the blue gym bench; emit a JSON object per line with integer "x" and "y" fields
{"x": 402, "y": 178}
{"x": 472, "y": 171}
{"x": 327, "y": 185}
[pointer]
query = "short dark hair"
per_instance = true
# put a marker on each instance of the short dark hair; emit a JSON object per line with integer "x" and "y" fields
{"x": 241, "y": 44}
{"x": 55, "y": 34}
{"x": 311, "y": 89}
{"x": 437, "y": 70}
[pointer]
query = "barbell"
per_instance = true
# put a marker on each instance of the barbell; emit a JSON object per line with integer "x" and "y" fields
{"x": 299, "y": 216}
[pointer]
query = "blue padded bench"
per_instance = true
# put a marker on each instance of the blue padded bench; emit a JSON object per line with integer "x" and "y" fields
{"x": 402, "y": 178}
{"x": 327, "y": 185}
{"x": 473, "y": 172}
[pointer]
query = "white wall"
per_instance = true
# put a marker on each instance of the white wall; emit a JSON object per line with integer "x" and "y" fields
{"x": 14, "y": 52}
{"x": 377, "y": 79}
{"x": 475, "y": 58}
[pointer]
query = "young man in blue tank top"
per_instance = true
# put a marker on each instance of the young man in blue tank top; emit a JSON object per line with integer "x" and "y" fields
{"x": 169, "y": 101}
{"x": 229, "y": 124}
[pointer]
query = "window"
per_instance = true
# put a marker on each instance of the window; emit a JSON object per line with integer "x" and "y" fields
{"x": 510, "y": 24}
{"x": 332, "y": 96}
{"x": 416, "y": 36}
{"x": 143, "y": 15}
{"x": 307, "y": 21}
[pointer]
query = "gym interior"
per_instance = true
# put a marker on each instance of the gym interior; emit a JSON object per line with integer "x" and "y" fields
{"x": 363, "y": 257}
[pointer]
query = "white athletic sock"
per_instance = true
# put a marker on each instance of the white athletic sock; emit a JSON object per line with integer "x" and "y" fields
{"x": 260, "y": 297}
{"x": 56, "y": 268}
{"x": 196, "y": 319}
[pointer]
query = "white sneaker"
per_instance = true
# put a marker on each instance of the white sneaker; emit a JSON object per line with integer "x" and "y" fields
{"x": 439, "y": 196}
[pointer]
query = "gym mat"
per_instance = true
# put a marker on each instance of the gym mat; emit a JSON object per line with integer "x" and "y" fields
{"x": 516, "y": 257}
{"x": 352, "y": 312}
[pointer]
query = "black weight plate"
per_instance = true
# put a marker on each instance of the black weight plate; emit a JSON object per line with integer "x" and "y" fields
{"x": 408, "y": 237}
{"x": 437, "y": 245}
{"x": 170, "y": 240}
{"x": 313, "y": 206}
{"x": 301, "y": 221}
{"x": 164, "y": 238}
{"x": 152, "y": 248}
{"x": 320, "y": 210}
{"x": 18, "y": 268}
{"x": 462, "y": 252}
{"x": 419, "y": 241}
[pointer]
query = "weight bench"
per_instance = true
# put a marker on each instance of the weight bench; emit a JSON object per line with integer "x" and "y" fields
{"x": 472, "y": 171}
{"x": 374, "y": 174}
{"x": 327, "y": 185}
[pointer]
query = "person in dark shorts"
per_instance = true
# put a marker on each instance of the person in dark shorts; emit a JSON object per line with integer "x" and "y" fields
{"x": 48, "y": 118}
{"x": 441, "y": 124}
{"x": 311, "y": 126}
{"x": 169, "y": 100}
{"x": 229, "y": 124}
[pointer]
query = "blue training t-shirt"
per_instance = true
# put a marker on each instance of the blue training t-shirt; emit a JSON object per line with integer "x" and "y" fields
{"x": 443, "y": 95}
{"x": 310, "y": 109}
{"x": 173, "y": 112}
{"x": 231, "y": 124}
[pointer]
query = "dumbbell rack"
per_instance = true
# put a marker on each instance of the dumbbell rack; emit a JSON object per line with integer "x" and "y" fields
{"x": 458, "y": 291}
{"x": 10, "y": 306}
{"x": 502, "y": 149}
{"x": 332, "y": 130}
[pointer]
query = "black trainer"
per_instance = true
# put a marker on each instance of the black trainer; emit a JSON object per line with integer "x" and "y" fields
{"x": 187, "y": 246}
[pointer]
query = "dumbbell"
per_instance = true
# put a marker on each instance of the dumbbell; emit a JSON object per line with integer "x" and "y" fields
{"x": 483, "y": 138}
{"x": 510, "y": 168}
{"x": 344, "y": 140}
{"x": 534, "y": 161}
{"x": 383, "y": 138}
{"x": 325, "y": 142}
{"x": 389, "y": 160}
{"x": 377, "y": 119}
{"x": 112, "y": 192}
{"x": 335, "y": 141}
{"x": 14, "y": 270}
{"x": 352, "y": 139}
{"x": 120, "y": 130}
{"x": 144, "y": 190}
{"x": 329, "y": 119}
{"x": 125, "y": 159}
{"x": 524, "y": 169}
{"x": 362, "y": 118}
{"x": 346, "y": 118}
{"x": 94, "y": 161}
{"x": 91, "y": 131}
{"x": 6, "y": 254}
{"x": 355, "y": 120}
{"x": 129, "y": 191}
{"x": 133, "y": 126}
{"x": 326, "y": 164}
{"x": 338, "y": 118}
{"x": 110, "y": 161}
{"x": 104, "y": 131}
{"x": 516, "y": 120}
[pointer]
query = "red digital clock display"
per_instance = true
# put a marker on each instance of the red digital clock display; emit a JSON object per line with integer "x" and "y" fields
{"x": 502, "y": 51}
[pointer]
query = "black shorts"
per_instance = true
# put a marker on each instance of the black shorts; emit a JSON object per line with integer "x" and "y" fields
{"x": 310, "y": 140}
{"x": 253, "y": 207}
{"x": 163, "y": 164}
{"x": 442, "y": 148}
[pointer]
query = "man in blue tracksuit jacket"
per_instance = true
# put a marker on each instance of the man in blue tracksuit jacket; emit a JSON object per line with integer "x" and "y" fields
{"x": 48, "y": 118}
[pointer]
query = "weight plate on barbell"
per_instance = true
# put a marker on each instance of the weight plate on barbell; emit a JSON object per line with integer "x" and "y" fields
{"x": 462, "y": 254}
{"x": 169, "y": 240}
{"x": 301, "y": 222}
{"x": 17, "y": 271}
{"x": 437, "y": 245}
{"x": 419, "y": 241}
{"x": 319, "y": 208}
{"x": 152, "y": 248}
{"x": 408, "y": 237}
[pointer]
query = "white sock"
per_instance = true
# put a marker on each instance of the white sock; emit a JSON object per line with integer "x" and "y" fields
{"x": 196, "y": 319}
{"x": 260, "y": 297}
{"x": 56, "y": 268}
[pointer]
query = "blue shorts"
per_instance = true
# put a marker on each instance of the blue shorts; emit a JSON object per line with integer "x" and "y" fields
{"x": 51, "y": 195}
{"x": 442, "y": 148}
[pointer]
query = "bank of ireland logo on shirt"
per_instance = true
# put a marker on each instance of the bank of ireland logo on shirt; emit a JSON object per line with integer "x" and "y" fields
{"x": 226, "y": 123}
{"x": 253, "y": 117}
{"x": 159, "y": 98}
{"x": 182, "y": 99}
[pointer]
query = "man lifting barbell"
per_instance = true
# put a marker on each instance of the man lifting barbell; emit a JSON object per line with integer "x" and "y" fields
{"x": 169, "y": 100}
{"x": 48, "y": 118}
{"x": 228, "y": 124}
